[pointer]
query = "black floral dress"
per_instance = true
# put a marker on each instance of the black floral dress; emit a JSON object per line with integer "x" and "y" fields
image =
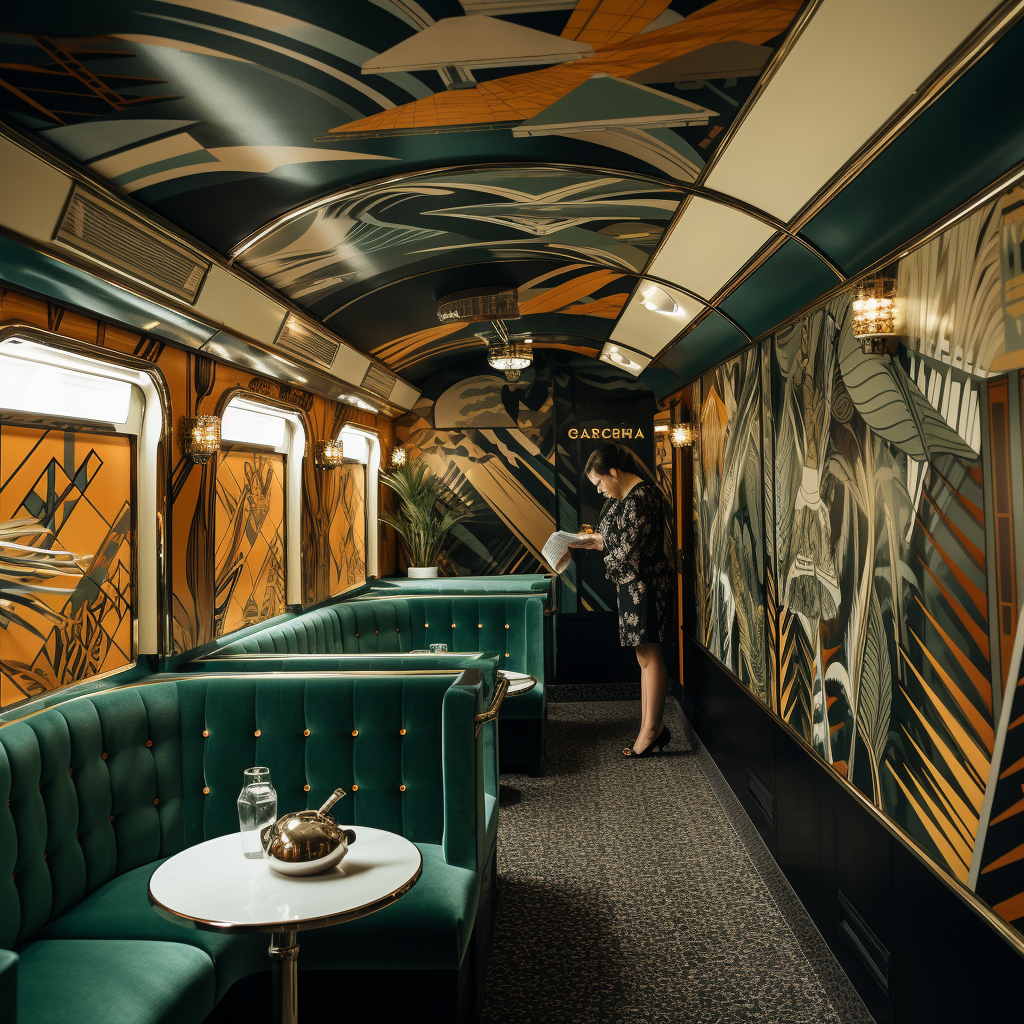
{"x": 635, "y": 561}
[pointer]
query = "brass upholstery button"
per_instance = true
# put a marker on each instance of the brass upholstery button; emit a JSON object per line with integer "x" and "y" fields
{"x": 426, "y": 625}
{"x": 357, "y": 634}
{"x": 401, "y": 732}
{"x": 258, "y": 732}
{"x": 206, "y": 790}
{"x": 305, "y": 788}
{"x": 206, "y": 733}
{"x": 401, "y": 789}
{"x": 149, "y": 743}
{"x": 355, "y": 789}
{"x": 355, "y": 732}
{"x": 453, "y": 625}
{"x": 111, "y": 817}
{"x": 305, "y": 732}
{"x": 156, "y": 801}
{"x": 506, "y": 655}
{"x": 104, "y": 755}
{"x": 376, "y": 631}
{"x": 506, "y": 625}
{"x": 479, "y": 625}
{"x": 71, "y": 771}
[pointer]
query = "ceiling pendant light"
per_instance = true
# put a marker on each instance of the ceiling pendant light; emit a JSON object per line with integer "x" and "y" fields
{"x": 508, "y": 355}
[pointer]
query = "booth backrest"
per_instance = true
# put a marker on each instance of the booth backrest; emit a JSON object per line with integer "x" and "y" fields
{"x": 510, "y": 625}
{"x": 111, "y": 781}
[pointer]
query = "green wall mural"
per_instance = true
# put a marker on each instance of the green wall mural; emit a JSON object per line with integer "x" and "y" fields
{"x": 891, "y": 506}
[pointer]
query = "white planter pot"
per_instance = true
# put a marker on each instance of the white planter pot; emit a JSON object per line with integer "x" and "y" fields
{"x": 422, "y": 572}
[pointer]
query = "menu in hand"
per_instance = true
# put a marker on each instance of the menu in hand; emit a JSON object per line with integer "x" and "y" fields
{"x": 556, "y": 551}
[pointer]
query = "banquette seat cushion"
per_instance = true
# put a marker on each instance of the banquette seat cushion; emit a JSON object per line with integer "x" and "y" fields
{"x": 511, "y": 626}
{"x": 96, "y": 792}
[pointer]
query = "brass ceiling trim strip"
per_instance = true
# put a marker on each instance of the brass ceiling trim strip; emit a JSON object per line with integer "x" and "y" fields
{"x": 966, "y": 896}
{"x": 976, "y": 46}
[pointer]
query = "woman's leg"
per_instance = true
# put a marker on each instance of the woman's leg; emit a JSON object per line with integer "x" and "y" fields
{"x": 653, "y": 691}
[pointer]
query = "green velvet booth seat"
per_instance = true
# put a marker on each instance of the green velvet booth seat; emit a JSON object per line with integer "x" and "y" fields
{"x": 541, "y": 584}
{"x": 96, "y": 792}
{"x": 510, "y": 626}
{"x": 300, "y": 664}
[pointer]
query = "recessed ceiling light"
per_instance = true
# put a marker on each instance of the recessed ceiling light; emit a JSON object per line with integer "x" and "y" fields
{"x": 657, "y": 300}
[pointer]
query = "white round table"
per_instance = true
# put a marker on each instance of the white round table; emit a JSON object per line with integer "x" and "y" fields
{"x": 213, "y": 886}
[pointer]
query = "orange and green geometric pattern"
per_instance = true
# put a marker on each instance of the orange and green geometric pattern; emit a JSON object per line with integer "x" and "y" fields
{"x": 66, "y": 558}
{"x": 249, "y": 539}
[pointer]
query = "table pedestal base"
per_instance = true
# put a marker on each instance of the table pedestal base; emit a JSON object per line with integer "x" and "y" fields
{"x": 284, "y": 955}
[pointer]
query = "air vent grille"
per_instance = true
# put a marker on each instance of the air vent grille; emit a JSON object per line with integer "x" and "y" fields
{"x": 301, "y": 339}
{"x": 111, "y": 236}
{"x": 378, "y": 381}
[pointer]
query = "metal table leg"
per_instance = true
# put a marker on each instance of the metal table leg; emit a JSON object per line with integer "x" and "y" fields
{"x": 284, "y": 954}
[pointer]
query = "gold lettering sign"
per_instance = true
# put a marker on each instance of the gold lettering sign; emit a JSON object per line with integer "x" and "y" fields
{"x": 605, "y": 433}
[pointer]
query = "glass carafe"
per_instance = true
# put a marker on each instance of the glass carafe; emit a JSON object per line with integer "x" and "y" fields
{"x": 257, "y": 808}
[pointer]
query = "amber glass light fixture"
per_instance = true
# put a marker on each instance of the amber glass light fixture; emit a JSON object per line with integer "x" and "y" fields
{"x": 874, "y": 315}
{"x": 200, "y": 437}
{"x": 329, "y": 454}
{"x": 398, "y": 456}
{"x": 682, "y": 435}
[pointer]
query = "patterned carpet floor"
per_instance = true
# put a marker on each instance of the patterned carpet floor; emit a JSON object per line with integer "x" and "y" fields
{"x": 631, "y": 892}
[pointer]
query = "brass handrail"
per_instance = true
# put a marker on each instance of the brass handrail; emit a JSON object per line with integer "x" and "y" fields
{"x": 500, "y": 689}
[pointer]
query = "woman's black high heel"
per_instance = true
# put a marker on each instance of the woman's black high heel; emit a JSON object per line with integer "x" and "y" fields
{"x": 659, "y": 741}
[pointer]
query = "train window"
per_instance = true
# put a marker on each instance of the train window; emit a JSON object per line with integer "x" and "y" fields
{"x": 79, "y": 511}
{"x": 363, "y": 446}
{"x": 257, "y": 561}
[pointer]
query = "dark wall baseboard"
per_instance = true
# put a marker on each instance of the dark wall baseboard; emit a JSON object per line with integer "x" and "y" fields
{"x": 914, "y": 949}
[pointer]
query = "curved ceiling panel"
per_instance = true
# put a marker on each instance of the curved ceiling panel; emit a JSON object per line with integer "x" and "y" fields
{"x": 562, "y": 304}
{"x": 495, "y": 142}
{"x": 223, "y": 115}
{"x": 332, "y": 253}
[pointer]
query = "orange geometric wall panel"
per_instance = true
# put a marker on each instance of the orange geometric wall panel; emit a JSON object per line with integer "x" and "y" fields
{"x": 347, "y": 547}
{"x": 67, "y": 567}
{"x": 249, "y": 539}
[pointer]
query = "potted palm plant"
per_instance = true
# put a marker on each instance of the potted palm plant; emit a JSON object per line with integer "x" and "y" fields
{"x": 427, "y": 511}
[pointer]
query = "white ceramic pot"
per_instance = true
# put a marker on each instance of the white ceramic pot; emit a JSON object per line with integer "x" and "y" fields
{"x": 422, "y": 572}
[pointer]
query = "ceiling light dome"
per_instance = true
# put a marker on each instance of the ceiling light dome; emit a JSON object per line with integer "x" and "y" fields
{"x": 657, "y": 300}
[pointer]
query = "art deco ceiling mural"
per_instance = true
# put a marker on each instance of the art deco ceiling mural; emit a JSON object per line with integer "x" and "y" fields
{"x": 224, "y": 116}
{"x": 675, "y": 143}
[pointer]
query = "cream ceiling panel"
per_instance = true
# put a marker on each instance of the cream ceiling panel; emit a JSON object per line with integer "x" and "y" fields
{"x": 227, "y": 299}
{"x": 856, "y": 62}
{"x": 653, "y": 317}
{"x": 707, "y": 245}
{"x": 32, "y": 193}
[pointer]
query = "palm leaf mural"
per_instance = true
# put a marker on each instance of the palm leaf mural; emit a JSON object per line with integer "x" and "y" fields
{"x": 728, "y": 516}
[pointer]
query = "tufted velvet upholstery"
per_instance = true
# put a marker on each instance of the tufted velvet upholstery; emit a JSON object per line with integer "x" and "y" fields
{"x": 509, "y": 625}
{"x": 363, "y": 663}
{"x": 95, "y": 791}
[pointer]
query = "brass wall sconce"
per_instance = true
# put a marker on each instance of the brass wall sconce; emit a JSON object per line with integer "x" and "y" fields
{"x": 329, "y": 454}
{"x": 682, "y": 435}
{"x": 200, "y": 437}
{"x": 398, "y": 457}
{"x": 874, "y": 316}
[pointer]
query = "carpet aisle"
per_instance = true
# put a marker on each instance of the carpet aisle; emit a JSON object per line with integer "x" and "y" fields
{"x": 627, "y": 896}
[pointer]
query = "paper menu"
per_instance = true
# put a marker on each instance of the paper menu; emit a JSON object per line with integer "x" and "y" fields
{"x": 557, "y": 548}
